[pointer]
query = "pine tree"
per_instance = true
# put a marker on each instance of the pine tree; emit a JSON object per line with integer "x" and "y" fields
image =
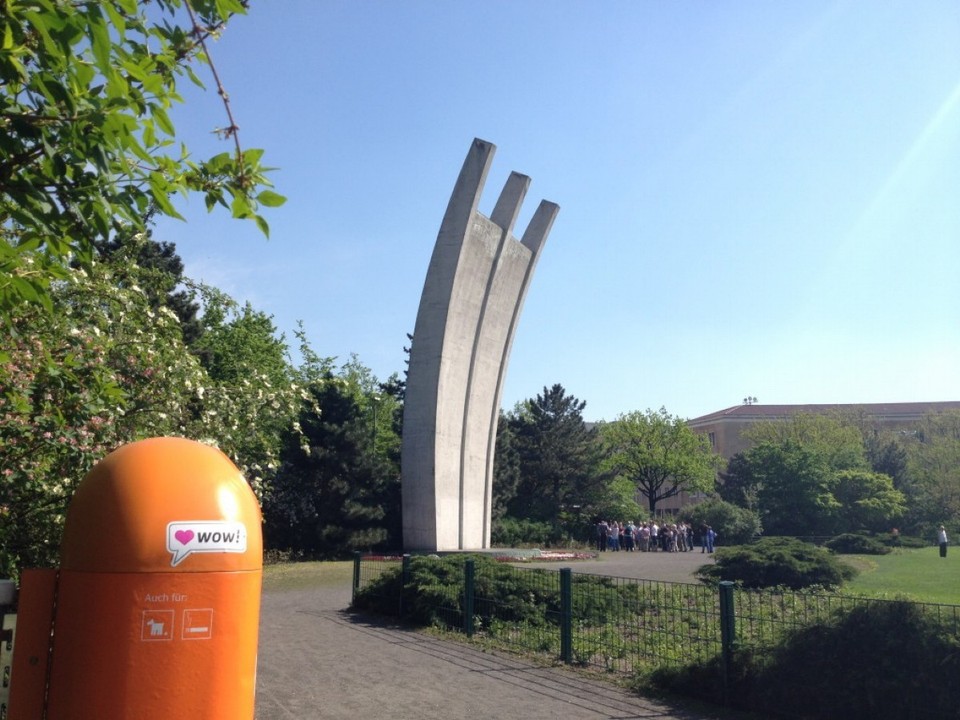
{"x": 557, "y": 456}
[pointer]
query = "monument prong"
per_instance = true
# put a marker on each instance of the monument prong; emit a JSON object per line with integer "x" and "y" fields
{"x": 508, "y": 204}
{"x": 540, "y": 224}
{"x": 465, "y": 197}
{"x": 474, "y": 290}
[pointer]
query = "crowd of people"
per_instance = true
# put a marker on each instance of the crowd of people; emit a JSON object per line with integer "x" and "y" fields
{"x": 614, "y": 536}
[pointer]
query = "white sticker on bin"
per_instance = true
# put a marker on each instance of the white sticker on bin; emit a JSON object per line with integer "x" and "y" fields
{"x": 186, "y": 537}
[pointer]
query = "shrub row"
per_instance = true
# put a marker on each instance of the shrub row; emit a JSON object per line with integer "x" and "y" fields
{"x": 435, "y": 590}
{"x": 777, "y": 562}
{"x": 878, "y": 661}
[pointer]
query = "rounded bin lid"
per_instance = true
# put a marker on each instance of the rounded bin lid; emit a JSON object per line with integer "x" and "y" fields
{"x": 163, "y": 505}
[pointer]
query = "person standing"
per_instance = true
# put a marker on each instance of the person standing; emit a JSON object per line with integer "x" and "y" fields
{"x": 942, "y": 541}
{"x": 711, "y": 539}
{"x": 644, "y": 537}
{"x": 602, "y": 529}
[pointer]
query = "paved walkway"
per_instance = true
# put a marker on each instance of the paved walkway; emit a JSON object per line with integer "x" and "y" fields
{"x": 319, "y": 661}
{"x": 676, "y": 567}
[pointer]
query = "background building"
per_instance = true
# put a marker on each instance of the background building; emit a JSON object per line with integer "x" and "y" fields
{"x": 725, "y": 428}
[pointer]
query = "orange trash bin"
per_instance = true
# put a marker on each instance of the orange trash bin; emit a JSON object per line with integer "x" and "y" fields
{"x": 158, "y": 599}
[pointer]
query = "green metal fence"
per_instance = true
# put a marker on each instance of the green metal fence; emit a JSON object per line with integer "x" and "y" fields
{"x": 763, "y": 617}
{"x": 367, "y": 570}
{"x": 621, "y": 624}
{"x": 530, "y": 623}
{"x": 616, "y": 624}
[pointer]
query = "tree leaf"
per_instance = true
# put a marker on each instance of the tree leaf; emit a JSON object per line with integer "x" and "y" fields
{"x": 262, "y": 224}
{"x": 268, "y": 198}
{"x": 163, "y": 120}
{"x": 116, "y": 19}
{"x": 99, "y": 41}
{"x": 240, "y": 207}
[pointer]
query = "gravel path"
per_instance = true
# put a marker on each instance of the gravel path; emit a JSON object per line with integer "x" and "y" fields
{"x": 319, "y": 661}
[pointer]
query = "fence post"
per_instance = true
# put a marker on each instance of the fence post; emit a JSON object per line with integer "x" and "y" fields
{"x": 356, "y": 577}
{"x": 468, "y": 578}
{"x": 728, "y": 629}
{"x": 404, "y": 580}
{"x": 566, "y": 615}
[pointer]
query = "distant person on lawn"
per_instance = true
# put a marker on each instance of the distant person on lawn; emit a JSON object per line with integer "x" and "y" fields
{"x": 942, "y": 540}
{"x": 709, "y": 538}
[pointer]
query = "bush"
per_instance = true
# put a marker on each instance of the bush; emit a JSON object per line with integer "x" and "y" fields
{"x": 774, "y": 562}
{"x": 915, "y": 543}
{"x": 733, "y": 524}
{"x": 434, "y": 592}
{"x": 852, "y": 544}
{"x": 894, "y": 662}
{"x": 878, "y": 661}
{"x": 381, "y": 595}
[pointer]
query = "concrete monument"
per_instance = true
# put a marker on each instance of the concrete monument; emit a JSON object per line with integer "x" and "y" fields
{"x": 476, "y": 283}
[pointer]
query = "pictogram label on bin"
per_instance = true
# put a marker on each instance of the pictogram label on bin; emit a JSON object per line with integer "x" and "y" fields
{"x": 197, "y": 624}
{"x": 156, "y": 625}
{"x": 186, "y": 537}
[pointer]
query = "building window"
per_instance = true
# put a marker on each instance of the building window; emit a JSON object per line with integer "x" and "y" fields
{"x": 713, "y": 440}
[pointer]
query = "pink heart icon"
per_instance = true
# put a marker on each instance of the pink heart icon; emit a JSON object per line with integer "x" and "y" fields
{"x": 183, "y": 536}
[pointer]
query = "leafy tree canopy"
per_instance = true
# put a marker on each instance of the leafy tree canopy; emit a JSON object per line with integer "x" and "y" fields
{"x": 811, "y": 475}
{"x": 868, "y": 501}
{"x": 933, "y": 468}
{"x": 799, "y": 492}
{"x": 837, "y": 440}
{"x": 659, "y": 454}
{"x": 87, "y": 147}
{"x": 887, "y": 455}
{"x": 738, "y": 484}
{"x": 239, "y": 340}
{"x": 734, "y": 525}
{"x": 796, "y": 486}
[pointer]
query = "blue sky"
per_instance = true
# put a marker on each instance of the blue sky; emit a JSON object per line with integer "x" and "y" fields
{"x": 756, "y": 198}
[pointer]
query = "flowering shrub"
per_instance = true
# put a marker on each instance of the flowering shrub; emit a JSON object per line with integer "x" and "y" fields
{"x": 108, "y": 366}
{"x": 102, "y": 370}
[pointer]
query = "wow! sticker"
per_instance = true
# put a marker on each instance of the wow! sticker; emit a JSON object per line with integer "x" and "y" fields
{"x": 204, "y": 536}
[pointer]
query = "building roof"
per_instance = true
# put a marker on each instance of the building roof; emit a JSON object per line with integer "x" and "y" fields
{"x": 752, "y": 413}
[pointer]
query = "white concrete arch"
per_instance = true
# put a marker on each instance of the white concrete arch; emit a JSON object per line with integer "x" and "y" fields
{"x": 472, "y": 297}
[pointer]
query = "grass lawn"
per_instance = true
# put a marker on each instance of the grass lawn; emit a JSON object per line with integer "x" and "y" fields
{"x": 919, "y": 575}
{"x": 302, "y": 575}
